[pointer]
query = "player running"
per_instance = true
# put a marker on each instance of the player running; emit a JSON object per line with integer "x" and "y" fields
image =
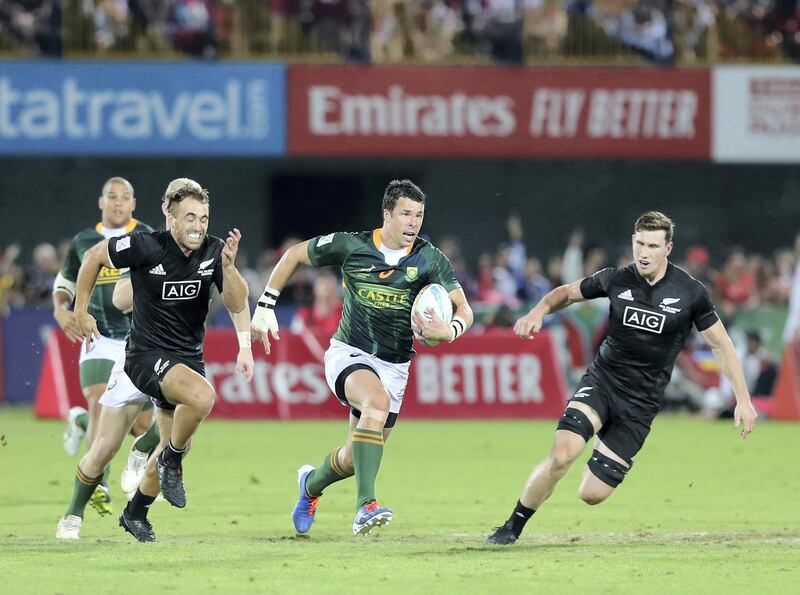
{"x": 172, "y": 273}
{"x": 653, "y": 307}
{"x": 368, "y": 360}
{"x": 117, "y": 203}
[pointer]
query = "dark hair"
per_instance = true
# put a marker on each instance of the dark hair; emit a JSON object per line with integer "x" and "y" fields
{"x": 654, "y": 221}
{"x": 399, "y": 188}
{"x": 183, "y": 188}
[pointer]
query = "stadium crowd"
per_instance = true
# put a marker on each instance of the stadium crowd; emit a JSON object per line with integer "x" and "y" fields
{"x": 418, "y": 31}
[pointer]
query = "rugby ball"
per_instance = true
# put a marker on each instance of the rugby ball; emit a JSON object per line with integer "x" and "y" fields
{"x": 433, "y": 296}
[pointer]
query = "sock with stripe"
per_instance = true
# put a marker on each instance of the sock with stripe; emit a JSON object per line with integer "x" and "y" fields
{"x": 82, "y": 421}
{"x": 519, "y": 517}
{"x": 327, "y": 473}
{"x": 367, "y": 453}
{"x": 83, "y": 490}
{"x": 149, "y": 440}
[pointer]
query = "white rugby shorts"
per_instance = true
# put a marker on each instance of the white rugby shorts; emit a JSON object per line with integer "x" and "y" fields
{"x": 394, "y": 377}
{"x": 120, "y": 390}
{"x": 104, "y": 348}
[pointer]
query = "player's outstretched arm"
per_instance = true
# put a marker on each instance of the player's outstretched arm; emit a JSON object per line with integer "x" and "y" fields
{"x": 244, "y": 361}
{"x": 720, "y": 342}
{"x": 264, "y": 322}
{"x": 235, "y": 291}
{"x": 94, "y": 259}
{"x": 63, "y": 294}
{"x": 557, "y": 299}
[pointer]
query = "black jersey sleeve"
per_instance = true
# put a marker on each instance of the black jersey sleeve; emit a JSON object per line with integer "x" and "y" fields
{"x": 596, "y": 285}
{"x": 134, "y": 250}
{"x": 704, "y": 315}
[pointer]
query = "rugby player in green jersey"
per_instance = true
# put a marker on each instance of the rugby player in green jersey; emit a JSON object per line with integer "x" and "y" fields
{"x": 117, "y": 203}
{"x": 368, "y": 360}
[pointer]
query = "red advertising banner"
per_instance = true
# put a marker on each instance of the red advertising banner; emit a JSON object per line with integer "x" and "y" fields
{"x": 499, "y": 112}
{"x": 494, "y": 375}
{"x": 479, "y": 376}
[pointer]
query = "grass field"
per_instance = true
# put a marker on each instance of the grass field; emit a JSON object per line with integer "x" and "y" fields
{"x": 702, "y": 511}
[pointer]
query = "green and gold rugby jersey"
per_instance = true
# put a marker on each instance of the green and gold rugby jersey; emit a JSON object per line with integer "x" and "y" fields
{"x": 110, "y": 322}
{"x": 377, "y": 296}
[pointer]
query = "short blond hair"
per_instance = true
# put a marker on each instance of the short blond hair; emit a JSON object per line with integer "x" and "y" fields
{"x": 181, "y": 188}
{"x": 654, "y": 221}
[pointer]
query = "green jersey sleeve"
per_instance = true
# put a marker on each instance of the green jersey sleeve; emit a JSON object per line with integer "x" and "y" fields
{"x": 72, "y": 263}
{"x": 330, "y": 249}
{"x": 441, "y": 271}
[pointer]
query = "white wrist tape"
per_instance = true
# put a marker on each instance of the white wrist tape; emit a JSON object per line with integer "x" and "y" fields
{"x": 244, "y": 339}
{"x": 457, "y": 328}
{"x": 269, "y": 298}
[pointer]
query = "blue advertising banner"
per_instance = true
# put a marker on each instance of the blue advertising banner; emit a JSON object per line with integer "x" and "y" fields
{"x": 135, "y": 108}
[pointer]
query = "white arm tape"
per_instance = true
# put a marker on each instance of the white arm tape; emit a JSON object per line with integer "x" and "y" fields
{"x": 458, "y": 326}
{"x": 244, "y": 339}
{"x": 65, "y": 285}
{"x": 269, "y": 298}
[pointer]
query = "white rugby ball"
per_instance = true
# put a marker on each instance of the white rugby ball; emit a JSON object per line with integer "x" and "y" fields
{"x": 433, "y": 296}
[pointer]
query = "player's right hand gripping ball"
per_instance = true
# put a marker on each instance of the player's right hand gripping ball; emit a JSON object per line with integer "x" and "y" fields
{"x": 432, "y": 296}
{"x": 264, "y": 320}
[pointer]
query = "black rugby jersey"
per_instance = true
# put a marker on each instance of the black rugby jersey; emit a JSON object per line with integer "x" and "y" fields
{"x": 170, "y": 291}
{"x": 648, "y": 326}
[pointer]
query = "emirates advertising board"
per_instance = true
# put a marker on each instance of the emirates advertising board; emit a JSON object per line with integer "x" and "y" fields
{"x": 499, "y": 112}
{"x": 757, "y": 114}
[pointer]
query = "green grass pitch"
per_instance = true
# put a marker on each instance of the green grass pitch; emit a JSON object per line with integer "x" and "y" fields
{"x": 701, "y": 512}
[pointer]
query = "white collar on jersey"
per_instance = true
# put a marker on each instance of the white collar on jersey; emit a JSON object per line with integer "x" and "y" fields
{"x": 391, "y": 256}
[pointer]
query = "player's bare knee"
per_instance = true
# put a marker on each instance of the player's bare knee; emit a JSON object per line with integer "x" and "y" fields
{"x": 560, "y": 460}
{"x": 379, "y": 401}
{"x": 592, "y": 496}
{"x": 204, "y": 400}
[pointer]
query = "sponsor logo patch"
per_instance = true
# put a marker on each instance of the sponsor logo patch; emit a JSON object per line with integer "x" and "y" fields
{"x": 180, "y": 290}
{"x": 626, "y": 295}
{"x": 644, "y": 320}
{"x": 123, "y": 244}
{"x": 325, "y": 239}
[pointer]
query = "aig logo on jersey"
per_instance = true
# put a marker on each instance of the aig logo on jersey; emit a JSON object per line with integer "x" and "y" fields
{"x": 643, "y": 320}
{"x": 180, "y": 290}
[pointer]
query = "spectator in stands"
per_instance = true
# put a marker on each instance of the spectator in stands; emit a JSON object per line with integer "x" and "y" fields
{"x": 190, "y": 27}
{"x": 39, "y": 276}
{"x": 111, "y": 20}
{"x": 759, "y": 372}
{"x": 340, "y": 26}
{"x": 536, "y": 285}
{"x": 324, "y": 312}
{"x": 572, "y": 261}
{"x": 735, "y": 285}
{"x": 495, "y": 27}
{"x": 696, "y": 264}
{"x": 33, "y": 24}
{"x": 419, "y": 30}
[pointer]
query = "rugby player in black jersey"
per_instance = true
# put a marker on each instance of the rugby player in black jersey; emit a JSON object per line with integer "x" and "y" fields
{"x": 172, "y": 273}
{"x": 653, "y": 307}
